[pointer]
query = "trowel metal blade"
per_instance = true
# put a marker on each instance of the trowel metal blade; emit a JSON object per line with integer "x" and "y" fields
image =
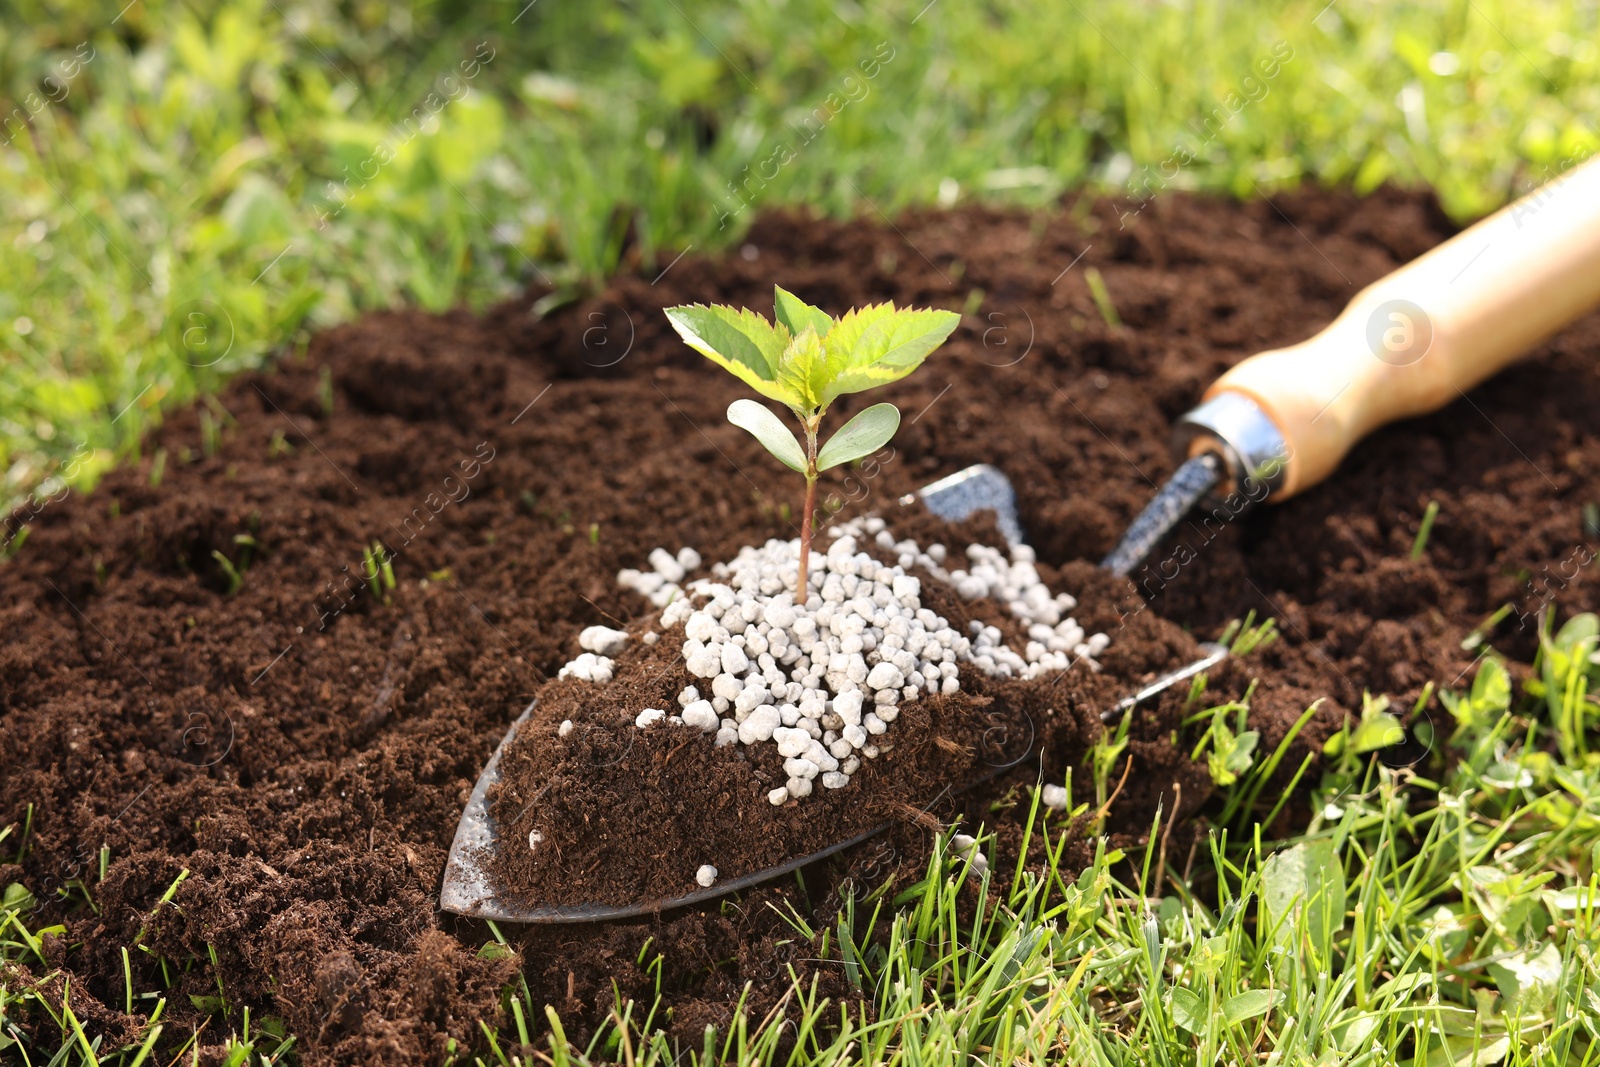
{"x": 966, "y": 492}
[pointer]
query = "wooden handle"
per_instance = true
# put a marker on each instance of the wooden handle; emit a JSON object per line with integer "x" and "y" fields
{"x": 1417, "y": 339}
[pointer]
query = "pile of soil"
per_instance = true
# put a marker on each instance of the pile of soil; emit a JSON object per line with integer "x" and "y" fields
{"x": 303, "y": 747}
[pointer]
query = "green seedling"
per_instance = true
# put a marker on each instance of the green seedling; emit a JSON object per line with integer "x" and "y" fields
{"x": 1569, "y": 666}
{"x": 1102, "y": 298}
{"x": 1243, "y": 638}
{"x": 234, "y": 574}
{"x": 248, "y": 546}
{"x": 805, "y": 360}
{"x": 1420, "y": 545}
{"x": 377, "y": 568}
{"x": 1477, "y": 710}
{"x": 1103, "y": 757}
{"x": 208, "y": 434}
{"x": 1233, "y": 751}
{"x": 1482, "y": 630}
{"x": 1378, "y": 728}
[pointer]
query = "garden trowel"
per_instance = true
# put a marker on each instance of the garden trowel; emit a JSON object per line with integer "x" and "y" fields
{"x": 1279, "y": 422}
{"x": 468, "y": 889}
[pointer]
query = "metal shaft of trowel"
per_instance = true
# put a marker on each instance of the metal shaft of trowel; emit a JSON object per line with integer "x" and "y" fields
{"x": 1235, "y": 459}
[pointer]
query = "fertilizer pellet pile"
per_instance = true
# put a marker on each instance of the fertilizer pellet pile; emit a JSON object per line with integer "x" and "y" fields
{"x": 824, "y": 681}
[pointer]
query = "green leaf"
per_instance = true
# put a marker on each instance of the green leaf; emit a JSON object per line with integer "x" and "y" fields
{"x": 878, "y": 345}
{"x": 1583, "y": 627}
{"x": 765, "y": 427}
{"x": 1351, "y": 1036}
{"x": 861, "y": 436}
{"x": 1237, "y": 1009}
{"x": 796, "y": 314}
{"x": 846, "y": 334}
{"x": 905, "y": 338}
{"x": 1400, "y": 988}
{"x": 206, "y": 1005}
{"x": 494, "y": 950}
{"x": 741, "y": 342}
{"x": 1244, "y": 747}
{"x": 1380, "y": 731}
{"x": 1231, "y": 755}
{"x": 807, "y": 359}
{"x": 1573, "y": 898}
{"x": 804, "y": 373}
{"x": 1468, "y": 1050}
{"x": 1188, "y": 1011}
{"x": 1528, "y": 982}
{"x": 17, "y": 898}
{"x": 1377, "y": 729}
{"x": 1303, "y": 894}
{"x": 1508, "y": 900}
{"x": 1491, "y": 689}
{"x": 1567, "y": 665}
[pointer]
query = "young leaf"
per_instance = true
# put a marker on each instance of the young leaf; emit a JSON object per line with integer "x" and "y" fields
{"x": 1578, "y": 628}
{"x": 1491, "y": 689}
{"x": 796, "y": 314}
{"x": 741, "y": 342}
{"x": 861, "y": 436}
{"x": 764, "y": 426}
{"x": 846, "y": 333}
{"x": 879, "y": 345}
{"x": 1243, "y": 1006}
{"x": 1188, "y": 1011}
{"x": 1528, "y": 982}
{"x": 904, "y": 339}
{"x": 1303, "y": 894}
{"x": 1231, "y": 755}
{"x": 803, "y": 372}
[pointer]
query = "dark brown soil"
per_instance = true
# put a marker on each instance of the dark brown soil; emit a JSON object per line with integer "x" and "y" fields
{"x": 303, "y": 749}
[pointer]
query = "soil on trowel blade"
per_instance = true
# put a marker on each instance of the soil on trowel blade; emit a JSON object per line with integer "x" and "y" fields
{"x": 614, "y": 814}
{"x": 273, "y": 752}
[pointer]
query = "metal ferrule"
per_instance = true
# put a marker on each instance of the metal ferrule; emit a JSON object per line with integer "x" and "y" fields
{"x": 1249, "y": 442}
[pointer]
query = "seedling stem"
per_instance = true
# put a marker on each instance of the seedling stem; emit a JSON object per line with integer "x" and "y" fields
{"x": 810, "y": 505}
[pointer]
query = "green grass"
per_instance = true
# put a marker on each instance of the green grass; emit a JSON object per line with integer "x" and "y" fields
{"x": 1446, "y": 913}
{"x": 189, "y": 188}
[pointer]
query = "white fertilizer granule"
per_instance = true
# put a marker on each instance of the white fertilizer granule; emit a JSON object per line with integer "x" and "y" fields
{"x": 824, "y": 680}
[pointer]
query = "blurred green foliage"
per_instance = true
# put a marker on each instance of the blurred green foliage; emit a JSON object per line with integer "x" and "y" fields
{"x": 188, "y": 188}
